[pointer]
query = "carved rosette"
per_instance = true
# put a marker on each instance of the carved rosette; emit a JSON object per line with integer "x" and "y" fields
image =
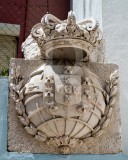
{"x": 66, "y": 108}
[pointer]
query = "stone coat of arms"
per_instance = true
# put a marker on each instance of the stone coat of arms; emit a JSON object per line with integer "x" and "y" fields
{"x": 63, "y": 102}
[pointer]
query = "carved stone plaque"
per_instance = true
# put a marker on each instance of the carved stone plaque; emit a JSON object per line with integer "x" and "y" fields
{"x": 71, "y": 110}
{"x": 61, "y": 102}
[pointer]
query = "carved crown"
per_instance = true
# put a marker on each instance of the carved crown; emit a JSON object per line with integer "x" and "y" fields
{"x": 55, "y": 39}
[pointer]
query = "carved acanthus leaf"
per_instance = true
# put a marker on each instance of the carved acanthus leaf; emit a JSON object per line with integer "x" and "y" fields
{"x": 64, "y": 143}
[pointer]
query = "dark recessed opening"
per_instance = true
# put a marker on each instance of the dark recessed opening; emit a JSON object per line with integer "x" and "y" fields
{"x": 67, "y": 53}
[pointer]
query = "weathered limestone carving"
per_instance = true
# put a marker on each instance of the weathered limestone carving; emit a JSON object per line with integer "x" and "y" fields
{"x": 63, "y": 103}
{"x": 63, "y": 109}
{"x": 53, "y": 33}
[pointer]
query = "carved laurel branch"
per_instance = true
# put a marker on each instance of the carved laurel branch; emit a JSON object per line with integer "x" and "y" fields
{"x": 110, "y": 99}
{"x": 111, "y": 89}
{"x": 17, "y": 91}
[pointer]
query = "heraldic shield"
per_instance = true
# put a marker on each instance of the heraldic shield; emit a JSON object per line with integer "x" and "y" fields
{"x": 63, "y": 90}
{"x": 68, "y": 89}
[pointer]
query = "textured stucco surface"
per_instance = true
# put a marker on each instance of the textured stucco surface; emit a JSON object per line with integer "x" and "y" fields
{"x": 115, "y": 28}
{"x": 3, "y": 113}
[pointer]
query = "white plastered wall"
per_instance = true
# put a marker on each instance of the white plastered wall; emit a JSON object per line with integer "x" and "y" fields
{"x": 115, "y": 27}
{"x": 87, "y": 8}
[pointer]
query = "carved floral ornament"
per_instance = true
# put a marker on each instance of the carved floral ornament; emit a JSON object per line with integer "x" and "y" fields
{"x": 63, "y": 109}
{"x": 53, "y": 33}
